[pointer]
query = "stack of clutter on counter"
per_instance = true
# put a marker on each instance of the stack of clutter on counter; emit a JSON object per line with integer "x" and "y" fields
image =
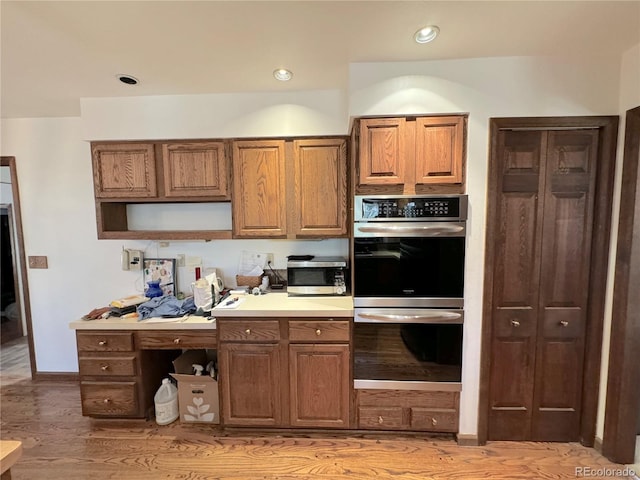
{"x": 126, "y": 305}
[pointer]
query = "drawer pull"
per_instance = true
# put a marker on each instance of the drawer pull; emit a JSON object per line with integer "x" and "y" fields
{"x": 564, "y": 323}
{"x": 515, "y": 323}
{"x": 176, "y": 341}
{"x": 106, "y": 400}
{"x": 434, "y": 422}
{"x": 102, "y": 343}
{"x": 380, "y": 419}
{"x": 104, "y": 368}
{"x": 318, "y": 332}
{"x": 248, "y": 331}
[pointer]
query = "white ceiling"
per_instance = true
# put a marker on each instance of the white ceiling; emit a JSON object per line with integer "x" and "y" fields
{"x": 53, "y": 53}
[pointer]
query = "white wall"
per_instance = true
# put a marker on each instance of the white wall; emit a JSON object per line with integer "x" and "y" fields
{"x": 55, "y": 179}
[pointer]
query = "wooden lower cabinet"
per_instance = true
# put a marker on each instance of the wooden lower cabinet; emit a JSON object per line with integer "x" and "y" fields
{"x": 430, "y": 411}
{"x": 120, "y": 371}
{"x": 285, "y": 372}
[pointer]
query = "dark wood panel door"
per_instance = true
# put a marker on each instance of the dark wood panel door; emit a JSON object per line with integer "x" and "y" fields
{"x": 565, "y": 261}
{"x": 541, "y": 268}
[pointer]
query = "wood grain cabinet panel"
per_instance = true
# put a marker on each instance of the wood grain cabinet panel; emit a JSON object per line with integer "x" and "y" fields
{"x": 104, "y": 341}
{"x": 107, "y": 365}
{"x": 176, "y": 339}
{"x": 319, "y": 390}
{"x": 320, "y": 186}
{"x": 411, "y": 155}
{"x": 195, "y": 169}
{"x": 318, "y": 331}
{"x": 124, "y": 170}
{"x": 259, "y": 208}
{"x": 110, "y": 399}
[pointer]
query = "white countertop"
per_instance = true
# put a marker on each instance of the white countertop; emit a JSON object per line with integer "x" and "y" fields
{"x": 272, "y": 304}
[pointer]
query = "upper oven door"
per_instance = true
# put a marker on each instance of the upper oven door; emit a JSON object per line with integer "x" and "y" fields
{"x": 394, "y": 267}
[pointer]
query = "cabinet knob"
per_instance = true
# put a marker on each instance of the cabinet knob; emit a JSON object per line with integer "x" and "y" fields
{"x": 380, "y": 420}
{"x": 564, "y": 323}
{"x": 102, "y": 343}
{"x": 106, "y": 400}
{"x": 434, "y": 422}
{"x": 104, "y": 368}
{"x": 248, "y": 331}
{"x": 176, "y": 341}
{"x": 318, "y": 332}
{"x": 515, "y": 323}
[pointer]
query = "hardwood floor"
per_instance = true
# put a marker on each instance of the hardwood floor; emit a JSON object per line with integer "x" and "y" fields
{"x": 59, "y": 443}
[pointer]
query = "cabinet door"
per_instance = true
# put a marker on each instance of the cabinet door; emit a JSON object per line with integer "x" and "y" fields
{"x": 124, "y": 170}
{"x": 319, "y": 385}
{"x": 259, "y": 189}
{"x": 439, "y": 149}
{"x": 320, "y": 187}
{"x": 382, "y": 151}
{"x": 250, "y": 384}
{"x": 195, "y": 169}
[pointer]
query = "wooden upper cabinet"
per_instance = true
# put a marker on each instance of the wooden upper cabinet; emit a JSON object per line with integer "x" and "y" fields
{"x": 409, "y": 155}
{"x": 195, "y": 169}
{"x": 124, "y": 170}
{"x": 439, "y": 142}
{"x": 320, "y": 186}
{"x": 382, "y": 151}
{"x": 259, "y": 209}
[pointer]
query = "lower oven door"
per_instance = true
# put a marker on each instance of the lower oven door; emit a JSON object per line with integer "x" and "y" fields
{"x": 408, "y": 349}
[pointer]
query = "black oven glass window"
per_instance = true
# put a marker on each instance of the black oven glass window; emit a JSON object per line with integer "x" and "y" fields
{"x": 408, "y": 352}
{"x": 409, "y": 267}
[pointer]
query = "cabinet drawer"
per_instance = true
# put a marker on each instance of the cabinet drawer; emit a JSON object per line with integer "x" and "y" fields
{"x": 380, "y": 418}
{"x": 117, "y": 399}
{"x": 176, "y": 339}
{"x": 319, "y": 331}
{"x": 249, "y": 330}
{"x": 434, "y": 420}
{"x": 105, "y": 342}
{"x": 104, "y": 366}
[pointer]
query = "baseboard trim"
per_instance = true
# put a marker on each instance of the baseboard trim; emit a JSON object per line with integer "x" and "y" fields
{"x": 467, "y": 440}
{"x": 597, "y": 445}
{"x": 55, "y": 377}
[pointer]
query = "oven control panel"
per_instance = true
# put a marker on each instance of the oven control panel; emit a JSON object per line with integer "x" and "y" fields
{"x": 448, "y": 207}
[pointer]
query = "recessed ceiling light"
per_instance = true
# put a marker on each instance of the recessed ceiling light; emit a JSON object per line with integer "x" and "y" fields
{"x": 427, "y": 34}
{"x": 128, "y": 79}
{"x": 282, "y": 74}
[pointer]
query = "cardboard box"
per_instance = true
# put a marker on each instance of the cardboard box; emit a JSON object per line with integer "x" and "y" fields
{"x": 197, "y": 394}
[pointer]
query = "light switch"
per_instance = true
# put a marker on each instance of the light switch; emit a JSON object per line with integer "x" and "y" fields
{"x": 38, "y": 261}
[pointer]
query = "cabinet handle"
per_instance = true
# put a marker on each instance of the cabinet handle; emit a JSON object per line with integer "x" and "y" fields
{"x": 515, "y": 323}
{"x": 248, "y": 331}
{"x": 176, "y": 341}
{"x": 104, "y": 368}
{"x": 564, "y": 323}
{"x": 380, "y": 420}
{"x": 102, "y": 343}
{"x": 434, "y": 422}
{"x": 106, "y": 400}
{"x": 318, "y": 332}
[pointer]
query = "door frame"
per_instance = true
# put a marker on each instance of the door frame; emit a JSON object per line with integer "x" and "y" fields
{"x": 623, "y": 393}
{"x": 14, "y": 266}
{"x": 23, "y": 300}
{"x": 606, "y": 162}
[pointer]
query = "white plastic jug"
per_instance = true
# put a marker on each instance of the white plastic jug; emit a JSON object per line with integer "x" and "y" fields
{"x": 166, "y": 403}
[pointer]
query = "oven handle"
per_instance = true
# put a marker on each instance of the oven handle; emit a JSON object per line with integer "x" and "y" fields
{"x": 440, "y": 316}
{"x": 428, "y": 229}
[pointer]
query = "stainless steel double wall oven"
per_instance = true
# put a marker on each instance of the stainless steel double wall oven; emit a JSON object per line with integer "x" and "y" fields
{"x": 408, "y": 288}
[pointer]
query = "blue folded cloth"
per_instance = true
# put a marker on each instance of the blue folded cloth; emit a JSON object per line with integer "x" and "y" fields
{"x": 166, "y": 306}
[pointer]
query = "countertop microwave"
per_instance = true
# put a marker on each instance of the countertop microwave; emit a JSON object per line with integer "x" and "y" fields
{"x": 310, "y": 275}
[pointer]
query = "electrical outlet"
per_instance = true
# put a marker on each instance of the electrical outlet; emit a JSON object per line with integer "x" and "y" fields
{"x": 270, "y": 259}
{"x": 180, "y": 260}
